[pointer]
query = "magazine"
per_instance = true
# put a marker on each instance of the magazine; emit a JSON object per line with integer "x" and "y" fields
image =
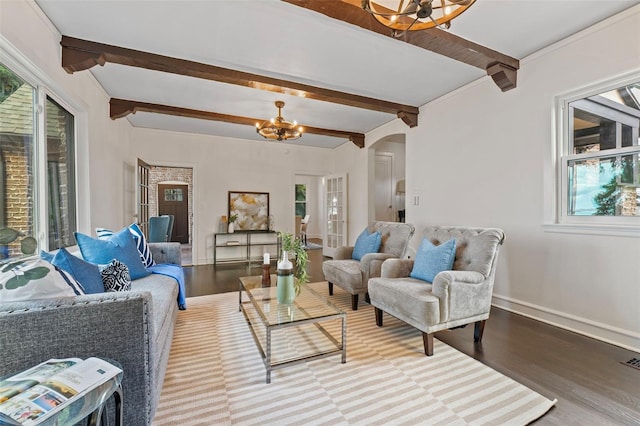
{"x": 30, "y": 397}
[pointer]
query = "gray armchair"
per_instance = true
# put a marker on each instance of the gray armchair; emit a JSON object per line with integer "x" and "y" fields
{"x": 455, "y": 298}
{"x": 353, "y": 275}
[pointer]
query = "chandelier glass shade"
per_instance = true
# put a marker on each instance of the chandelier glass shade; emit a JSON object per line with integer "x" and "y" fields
{"x": 405, "y": 15}
{"x": 278, "y": 128}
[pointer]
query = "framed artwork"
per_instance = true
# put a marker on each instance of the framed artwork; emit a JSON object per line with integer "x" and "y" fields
{"x": 251, "y": 209}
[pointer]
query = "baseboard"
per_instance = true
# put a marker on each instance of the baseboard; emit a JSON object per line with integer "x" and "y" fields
{"x": 616, "y": 336}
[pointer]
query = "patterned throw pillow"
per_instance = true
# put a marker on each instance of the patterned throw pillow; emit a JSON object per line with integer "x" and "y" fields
{"x": 140, "y": 239}
{"x": 366, "y": 243}
{"x": 115, "y": 276}
{"x": 35, "y": 278}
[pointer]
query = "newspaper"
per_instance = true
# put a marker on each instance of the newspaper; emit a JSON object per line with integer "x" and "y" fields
{"x": 30, "y": 397}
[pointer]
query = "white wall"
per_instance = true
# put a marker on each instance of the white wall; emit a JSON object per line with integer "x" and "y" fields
{"x": 480, "y": 157}
{"x": 221, "y": 165}
{"x": 354, "y": 161}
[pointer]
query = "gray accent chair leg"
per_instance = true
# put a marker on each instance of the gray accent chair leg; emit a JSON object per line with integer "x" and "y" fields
{"x": 367, "y": 298}
{"x": 330, "y": 288}
{"x": 354, "y": 302}
{"x": 427, "y": 339}
{"x": 478, "y": 330}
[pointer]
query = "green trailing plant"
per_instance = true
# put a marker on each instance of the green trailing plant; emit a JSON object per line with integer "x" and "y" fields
{"x": 295, "y": 247}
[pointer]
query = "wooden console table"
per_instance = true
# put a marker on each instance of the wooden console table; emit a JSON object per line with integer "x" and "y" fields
{"x": 242, "y": 242}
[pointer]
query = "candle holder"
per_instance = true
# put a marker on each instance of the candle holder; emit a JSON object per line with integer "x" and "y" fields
{"x": 266, "y": 275}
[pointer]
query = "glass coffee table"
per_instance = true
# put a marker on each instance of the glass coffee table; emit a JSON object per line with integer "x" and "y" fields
{"x": 310, "y": 328}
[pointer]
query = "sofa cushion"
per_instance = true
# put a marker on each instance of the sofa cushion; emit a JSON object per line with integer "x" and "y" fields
{"x": 115, "y": 276}
{"x": 164, "y": 292}
{"x": 408, "y": 299}
{"x": 35, "y": 278}
{"x": 86, "y": 273}
{"x": 141, "y": 242}
{"x": 346, "y": 273}
{"x": 120, "y": 245}
{"x": 431, "y": 260}
{"x": 366, "y": 243}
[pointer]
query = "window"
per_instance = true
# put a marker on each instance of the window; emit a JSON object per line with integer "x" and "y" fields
{"x": 61, "y": 194}
{"x": 301, "y": 200}
{"x": 600, "y": 175}
{"x": 34, "y": 145}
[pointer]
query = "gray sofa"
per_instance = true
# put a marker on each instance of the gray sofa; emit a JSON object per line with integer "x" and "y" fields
{"x": 134, "y": 328}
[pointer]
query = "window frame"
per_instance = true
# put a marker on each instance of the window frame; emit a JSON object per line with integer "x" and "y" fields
{"x": 45, "y": 87}
{"x": 589, "y": 224}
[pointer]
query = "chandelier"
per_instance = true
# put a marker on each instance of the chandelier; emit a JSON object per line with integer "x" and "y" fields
{"x": 405, "y": 15}
{"x": 278, "y": 128}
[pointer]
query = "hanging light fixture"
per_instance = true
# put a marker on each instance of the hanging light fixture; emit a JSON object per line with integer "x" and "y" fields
{"x": 405, "y": 15}
{"x": 278, "y": 128}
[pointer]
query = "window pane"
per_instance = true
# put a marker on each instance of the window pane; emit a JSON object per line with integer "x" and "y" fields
{"x": 606, "y": 121}
{"x": 605, "y": 186}
{"x": 60, "y": 176}
{"x": 627, "y": 136}
{"x": 17, "y": 152}
{"x": 301, "y": 192}
{"x": 173, "y": 194}
{"x": 301, "y": 209}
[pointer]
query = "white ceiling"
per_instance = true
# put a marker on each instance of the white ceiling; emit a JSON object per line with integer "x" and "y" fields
{"x": 280, "y": 40}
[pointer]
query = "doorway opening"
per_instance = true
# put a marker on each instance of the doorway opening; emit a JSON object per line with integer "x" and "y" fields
{"x": 307, "y": 209}
{"x": 171, "y": 193}
{"x": 387, "y": 179}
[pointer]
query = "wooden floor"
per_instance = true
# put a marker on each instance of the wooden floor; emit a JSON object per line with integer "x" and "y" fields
{"x": 587, "y": 377}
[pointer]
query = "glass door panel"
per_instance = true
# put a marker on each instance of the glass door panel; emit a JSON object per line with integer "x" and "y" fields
{"x": 336, "y": 213}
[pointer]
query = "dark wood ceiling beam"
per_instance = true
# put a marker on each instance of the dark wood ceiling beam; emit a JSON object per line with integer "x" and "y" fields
{"x": 79, "y": 55}
{"x": 502, "y": 68}
{"x": 120, "y": 108}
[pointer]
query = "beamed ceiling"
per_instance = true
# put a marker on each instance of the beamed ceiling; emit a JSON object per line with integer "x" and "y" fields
{"x": 217, "y": 67}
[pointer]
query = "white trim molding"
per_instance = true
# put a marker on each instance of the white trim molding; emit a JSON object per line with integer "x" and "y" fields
{"x": 616, "y": 336}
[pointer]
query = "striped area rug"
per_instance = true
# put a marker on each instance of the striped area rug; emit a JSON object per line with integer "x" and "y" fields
{"x": 216, "y": 377}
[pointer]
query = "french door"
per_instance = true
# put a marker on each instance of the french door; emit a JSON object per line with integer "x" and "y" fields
{"x": 335, "y": 210}
{"x": 143, "y": 196}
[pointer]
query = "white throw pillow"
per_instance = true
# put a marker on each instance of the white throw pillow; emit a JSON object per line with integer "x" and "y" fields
{"x": 35, "y": 278}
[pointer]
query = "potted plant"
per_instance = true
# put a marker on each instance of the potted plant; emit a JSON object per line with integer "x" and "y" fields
{"x": 294, "y": 246}
{"x": 232, "y": 219}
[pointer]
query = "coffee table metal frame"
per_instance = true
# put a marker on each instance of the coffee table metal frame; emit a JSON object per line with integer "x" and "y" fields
{"x": 247, "y": 284}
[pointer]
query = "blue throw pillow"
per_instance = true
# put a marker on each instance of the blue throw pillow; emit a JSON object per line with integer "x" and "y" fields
{"x": 120, "y": 245}
{"x": 84, "y": 272}
{"x": 138, "y": 236}
{"x": 366, "y": 243}
{"x": 431, "y": 260}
